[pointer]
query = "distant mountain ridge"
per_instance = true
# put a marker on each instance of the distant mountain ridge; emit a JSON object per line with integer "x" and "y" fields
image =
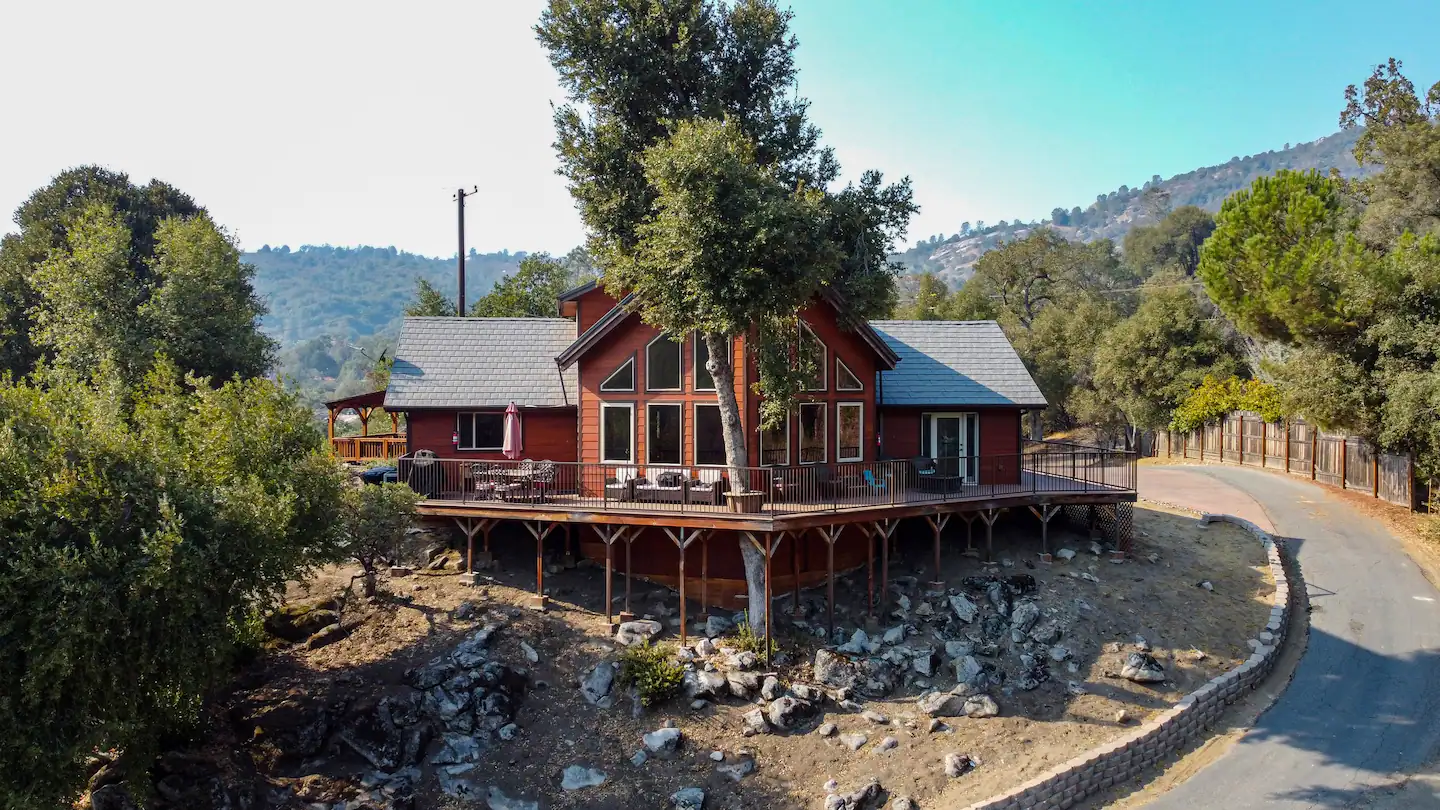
{"x": 1112, "y": 215}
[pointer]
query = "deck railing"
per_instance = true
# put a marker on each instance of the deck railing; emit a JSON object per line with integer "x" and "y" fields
{"x": 375, "y": 447}
{"x": 776, "y": 490}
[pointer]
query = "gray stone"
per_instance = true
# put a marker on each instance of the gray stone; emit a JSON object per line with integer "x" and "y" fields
{"x": 717, "y": 756}
{"x": 805, "y": 691}
{"x": 902, "y": 803}
{"x": 770, "y": 687}
{"x": 894, "y": 635}
{"x": 743, "y": 660}
{"x": 455, "y": 781}
{"x": 999, "y": 597}
{"x": 639, "y": 758}
{"x": 941, "y": 704}
{"x": 967, "y": 669}
{"x": 754, "y": 722}
{"x": 923, "y": 662}
{"x": 1024, "y": 617}
{"x": 783, "y": 712}
{"x": 704, "y": 648}
{"x": 833, "y": 670}
{"x": 637, "y": 632}
{"x": 598, "y": 683}
{"x": 703, "y": 684}
{"x": 827, "y": 730}
{"x": 959, "y": 649}
{"x": 690, "y": 798}
{"x": 737, "y": 770}
{"x": 578, "y": 777}
{"x": 957, "y": 765}
{"x": 1066, "y": 554}
{"x": 862, "y": 799}
{"x": 499, "y": 801}
{"x": 530, "y": 654}
{"x": 854, "y": 741}
{"x": 509, "y": 731}
{"x": 457, "y": 749}
{"x": 1142, "y": 668}
{"x": 1141, "y": 644}
{"x": 964, "y": 609}
{"x": 981, "y": 706}
{"x": 1059, "y": 653}
{"x": 875, "y": 717}
{"x": 859, "y": 644}
{"x": 876, "y": 677}
{"x": 474, "y": 651}
{"x": 663, "y": 742}
{"x": 1045, "y": 633}
{"x": 887, "y": 744}
{"x": 717, "y": 626}
{"x": 742, "y": 685}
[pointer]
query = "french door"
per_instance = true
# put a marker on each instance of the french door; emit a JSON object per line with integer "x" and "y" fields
{"x": 954, "y": 444}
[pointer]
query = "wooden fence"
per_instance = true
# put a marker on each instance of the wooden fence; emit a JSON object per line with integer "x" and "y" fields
{"x": 1299, "y": 449}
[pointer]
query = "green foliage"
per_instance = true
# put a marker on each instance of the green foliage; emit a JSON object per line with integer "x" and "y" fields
{"x": 428, "y": 301}
{"x": 651, "y": 670}
{"x": 1148, "y": 363}
{"x": 1399, "y": 134}
{"x": 533, "y": 291}
{"x": 375, "y": 520}
{"x": 931, "y": 303}
{"x": 1173, "y": 243}
{"x": 1216, "y": 397}
{"x": 746, "y": 639}
{"x": 144, "y": 530}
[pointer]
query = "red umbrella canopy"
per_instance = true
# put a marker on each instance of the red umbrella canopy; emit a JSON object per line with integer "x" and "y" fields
{"x": 513, "y": 438}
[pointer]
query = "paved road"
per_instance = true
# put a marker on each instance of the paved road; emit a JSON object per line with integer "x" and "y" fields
{"x": 1364, "y": 706}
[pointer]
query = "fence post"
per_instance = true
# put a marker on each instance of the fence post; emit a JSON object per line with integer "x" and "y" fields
{"x": 1344, "y": 462}
{"x": 1264, "y": 440}
{"x": 1314, "y": 448}
{"x": 1286, "y": 423}
{"x": 1375, "y": 470}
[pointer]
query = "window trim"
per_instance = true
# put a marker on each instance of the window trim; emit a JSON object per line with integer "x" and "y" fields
{"x": 838, "y": 445}
{"x": 839, "y": 364}
{"x": 695, "y": 432}
{"x": 631, "y": 363}
{"x": 695, "y": 364}
{"x": 972, "y": 454}
{"x": 472, "y": 415}
{"x": 631, "y": 407}
{"x": 679, "y": 363}
{"x": 824, "y": 359}
{"x": 761, "y": 444}
{"x": 824, "y": 405}
{"x": 680, "y": 444}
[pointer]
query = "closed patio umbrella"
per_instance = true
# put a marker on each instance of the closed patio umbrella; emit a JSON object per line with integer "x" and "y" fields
{"x": 512, "y": 444}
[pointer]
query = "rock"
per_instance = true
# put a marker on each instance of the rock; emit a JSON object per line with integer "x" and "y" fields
{"x": 509, "y": 732}
{"x": 998, "y": 597}
{"x": 1141, "y": 644}
{"x": 887, "y": 744}
{"x": 475, "y": 650}
{"x": 455, "y": 781}
{"x": 1066, "y": 554}
{"x": 805, "y": 691}
{"x": 577, "y": 777}
{"x": 717, "y": 626}
{"x": 690, "y": 798}
{"x": 1122, "y": 717}
{"x": 967, "y": 670}
{"x": 894, "y": 635}
{"x": 923, "y": 662}
{"x": 827, "y": 730}
{"x": 875, "y": 717}
{"x": 994, "y": 628}
{"x": 598, "y": 683}
{"x": 530, "y": 654}
{"x": 854, "y": 741}
{"x": 941, "y": 704}
{"x": 1059, "y": 653}
{"x": 743, "y": 660}
{"x": 1206, "y": 584}
{"x": 663, "y": 742}
{"x": 859, "y": 644}
{"x": 742, "y": 685}
{"x": 465, "y": 611}
{"x": 457, "y": 749}
{"x": 833, "y": 670}
{"x": 862, "y": 799}
{"x": 1075, "y": 688}
{"x": 499, "y": 801}
{"x": 1024, "y": 617}
{"x": 783, "y": 712}
{"x": 704, "y": 648}
{"x": 753, "y": 722}
{"x": 957, "y": 765}
{"x": 703, "y": 684}
{"x": 637, "y": 632}
{"x": 964, "y": 609}
{"x": 924, "y": 611}
{"x": 979, "y": 706}
{"x": 1045, "y": 633}
{"x": 876, "y": 677}
{"x": 902, "y": 803}
{"x": 639, "y": 758}
{"x": 1096, "y": 548}
{"x": 1142, "y": 668}
{"x": 737, "y": 770}
{"x": 298, "y": 621}
{"x": 717, "y": 756}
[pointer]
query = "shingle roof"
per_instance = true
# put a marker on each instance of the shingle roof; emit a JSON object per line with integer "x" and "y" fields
{"x": 481, "y": 362}
{"x": 954, "y": 363}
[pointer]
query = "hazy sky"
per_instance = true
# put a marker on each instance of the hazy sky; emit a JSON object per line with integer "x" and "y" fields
{"x": 352, "y": 123}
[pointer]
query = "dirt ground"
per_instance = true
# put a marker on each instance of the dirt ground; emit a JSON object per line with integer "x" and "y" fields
{"x": 1194, "y": 632}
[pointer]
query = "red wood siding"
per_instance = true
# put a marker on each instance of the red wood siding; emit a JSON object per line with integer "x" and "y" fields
{"x": 547, "y": 433}
{"x": 591, "y": 307}
{"x": 999, "y": 437}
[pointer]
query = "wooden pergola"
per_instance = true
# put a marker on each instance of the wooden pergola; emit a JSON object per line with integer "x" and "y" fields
{"x": 364, "y": 447}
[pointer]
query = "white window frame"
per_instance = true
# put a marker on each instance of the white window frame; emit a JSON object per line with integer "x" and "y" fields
{"x": 695, "y": 432}
{"x": 630, "y": 406}
{"x": 618, "y": 369}
{"x": 786, "y": 462}
{"x": 680, "y": 444}
{"x": 695, "y": 362}
{"x": 965, "y": 418}
{"x": 679, "y": 364}
{"x": 472, "y": 415}
{"x": 824, "y": 405}
{"x": 839, "y": 364}
{"x": 824, "y": 359}
{"x": 838, "y": 444}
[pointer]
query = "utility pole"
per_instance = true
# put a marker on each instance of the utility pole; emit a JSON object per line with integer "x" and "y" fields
{"x": 460, "y": 195}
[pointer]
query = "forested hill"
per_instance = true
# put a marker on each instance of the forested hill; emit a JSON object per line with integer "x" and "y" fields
{"x": 323, "y": 290}
{"x": 1112, "y": 215}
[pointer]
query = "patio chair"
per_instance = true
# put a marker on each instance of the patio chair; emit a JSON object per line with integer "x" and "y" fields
{"x": 875, "y": 484}
{"x": 668, "y": 486}
{"x": 621, "y": 486}
{"x": 707, "y": 487}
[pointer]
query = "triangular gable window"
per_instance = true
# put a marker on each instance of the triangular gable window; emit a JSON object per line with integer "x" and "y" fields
{"x": 813, "y": 348}
{"x": 845, "y": 379}
{"x": 622, "y": 379}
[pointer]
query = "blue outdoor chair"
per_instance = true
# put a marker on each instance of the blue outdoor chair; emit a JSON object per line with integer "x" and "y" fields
{"x": 874, "y": 483}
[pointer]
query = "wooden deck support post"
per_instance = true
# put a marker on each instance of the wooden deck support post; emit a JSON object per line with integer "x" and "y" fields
{"x": 869, "y": 574}
{"x": 795, "y": 574}
{"x": 471, "y": 527}
{"x": 705, "y": 575}
{"x": 830, "y": 534}
{"x": 969, "y": 518}
{"x": 609, "y": 534}
{"x": 884, "y": 530}
{"x": 1045, "y": 513}
{"x": 769, "y": 605}
{"x": 990, "y": 516}
{"x": 683, "y": 538}
{"x": 625, "y": 614}
{"x": 937, "y": 525}
{"x": 539, "y": 530}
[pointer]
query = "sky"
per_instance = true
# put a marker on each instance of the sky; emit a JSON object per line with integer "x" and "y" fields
{"x": 353, "y": 123}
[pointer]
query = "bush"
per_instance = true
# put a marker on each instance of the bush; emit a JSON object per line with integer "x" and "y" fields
{"x": 144, "y": 532}
{"x": 651, "y": 670}
{"x": 746, "y": 639}
{"x": 1213, "y": 399}
{"x": 375, "y": 520}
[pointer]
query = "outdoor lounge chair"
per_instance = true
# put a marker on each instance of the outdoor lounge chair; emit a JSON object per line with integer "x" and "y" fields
{"x": 668, "y": 486}
{"x": 707, "y": 487}
{"x": 621, "y": 486}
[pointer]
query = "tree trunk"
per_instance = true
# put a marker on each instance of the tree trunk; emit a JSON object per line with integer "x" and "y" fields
{"x": 722, "y": 370}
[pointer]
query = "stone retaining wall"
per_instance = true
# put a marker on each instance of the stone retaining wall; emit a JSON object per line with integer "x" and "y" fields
{"x": 1126, "y": 757}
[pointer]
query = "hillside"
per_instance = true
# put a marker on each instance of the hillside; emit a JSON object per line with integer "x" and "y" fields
{"x": 354, "y": 292}
{"x": 1113, "y": 214}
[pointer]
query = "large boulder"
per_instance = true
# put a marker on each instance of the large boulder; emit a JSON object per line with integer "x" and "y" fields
{"x": 941, "y": 704}
{"x": 598, "y": 683}
{"x": 967, "y": 669}
{"x": 964, "y": 609}
{"x": 784, "y": 712}
{"x": 833, "y": 670}
{"x": 637, "y": 632}
{"x": 743, "y": 685}
{"x": 701, "y": 684}
{"x": 299, "y": 621}
{"x": 981, "y": 706}
{"x": 876, "y": 677}
{"x": 1142, "y": 668}
{"x": 1024, "y": 617}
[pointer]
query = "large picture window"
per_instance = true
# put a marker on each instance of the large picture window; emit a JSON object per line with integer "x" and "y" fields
{"x": 813, "y": 349}
{"x": 849, "y": 431}
{"x": 662, "y": 364}
{"x": 662, "y": 434}
{"x": 775, "y": 445}
{"x": 622, "y": 379}
{"x": 709, "y": 436}
{"x": 703, "y": 380}
{"x": 812, "y": 432}
{"x": 617, "y": 432}
{"x": 480, "y": 431}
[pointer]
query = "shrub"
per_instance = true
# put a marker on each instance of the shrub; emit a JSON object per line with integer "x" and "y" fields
{"x": 144, "y": 530}
{"x": 653, "y": 671}
{"x": 375, "y": 521}
{"x": 747, "y": 639}
{"x": 1213, "y": 398}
